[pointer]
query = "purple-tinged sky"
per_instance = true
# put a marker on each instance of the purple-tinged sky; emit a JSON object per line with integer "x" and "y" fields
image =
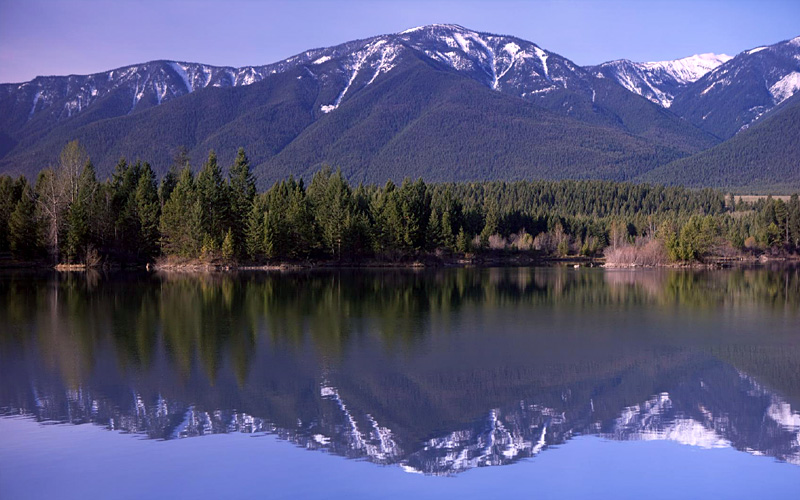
{"x": 58, "y": 37}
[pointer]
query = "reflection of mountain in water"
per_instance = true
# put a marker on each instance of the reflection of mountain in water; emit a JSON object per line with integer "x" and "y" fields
{"x": 436, "y": 372}
{"x": 716, "y": 407}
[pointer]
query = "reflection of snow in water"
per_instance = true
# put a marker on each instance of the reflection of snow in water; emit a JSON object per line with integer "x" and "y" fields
{"x": 768, "y": 425}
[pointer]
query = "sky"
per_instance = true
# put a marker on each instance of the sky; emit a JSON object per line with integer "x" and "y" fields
{"x": 59, "y": 37}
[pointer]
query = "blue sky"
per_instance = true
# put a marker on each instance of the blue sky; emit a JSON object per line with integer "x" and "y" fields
{"x": 46, "y": 37}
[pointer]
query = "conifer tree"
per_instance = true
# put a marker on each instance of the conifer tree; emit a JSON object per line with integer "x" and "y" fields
{"x": 147, "y": 209}
{"x": 23, "y": 226}
{"x": 463, "y": 241}
{"x": 227, "y": 249}
{"x": 434, "y": 238}
{"x": 492, "y": 222}
{"x": 212, "y": 195}
{"x": 256, "y": 227}
{"x": 10, "y": 193}
{"x": 181, "y": 220}
{"x": 332, "y": 202}
{"x": 242, "y": 192}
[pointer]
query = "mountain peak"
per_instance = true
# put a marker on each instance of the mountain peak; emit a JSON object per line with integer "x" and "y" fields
{"x": 454, "y": 27}
{"x": 660, "y": 81}
{"x": 689, "y": 69}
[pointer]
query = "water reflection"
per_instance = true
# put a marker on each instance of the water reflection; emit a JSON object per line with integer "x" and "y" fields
{"x": 436, "y": 371}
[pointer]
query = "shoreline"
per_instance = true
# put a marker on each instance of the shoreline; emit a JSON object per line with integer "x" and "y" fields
{"x": 424, "y": 262}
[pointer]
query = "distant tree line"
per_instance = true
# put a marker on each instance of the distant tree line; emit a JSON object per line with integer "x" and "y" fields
{"x": 69, "y": 216}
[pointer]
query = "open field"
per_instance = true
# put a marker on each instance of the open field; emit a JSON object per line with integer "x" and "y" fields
{"x": 749, "y": 198}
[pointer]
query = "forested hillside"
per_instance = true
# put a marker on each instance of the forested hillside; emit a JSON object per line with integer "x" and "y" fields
{"x": 763, "y": 158}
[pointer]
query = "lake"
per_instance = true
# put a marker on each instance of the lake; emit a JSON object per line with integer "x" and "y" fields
{"x": 547, "y": 382}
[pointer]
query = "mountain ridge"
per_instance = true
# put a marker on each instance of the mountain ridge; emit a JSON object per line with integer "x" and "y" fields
{"x": 117, "y": 112}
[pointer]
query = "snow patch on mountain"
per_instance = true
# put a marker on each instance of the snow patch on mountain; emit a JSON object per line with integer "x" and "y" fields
{"x": 542, "y": 55}
{"x": 660, "y": 81}
{"x": 689, "y": 69}
{"x": 366, "y": 58}
{"x": 785, "y": 87}
{"x": 180, "y": 69}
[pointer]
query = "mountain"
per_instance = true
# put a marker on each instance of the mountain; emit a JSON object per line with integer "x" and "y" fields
{"x": 422, "y": 121}
{"x": 441, "y": 101}
{"x": 731, "y": 97}
{"x": 660, "y": 81}
{"x": 762, "y": 158}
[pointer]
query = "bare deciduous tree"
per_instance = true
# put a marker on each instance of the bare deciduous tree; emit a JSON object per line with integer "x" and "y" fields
{"x": 57, "y": 188}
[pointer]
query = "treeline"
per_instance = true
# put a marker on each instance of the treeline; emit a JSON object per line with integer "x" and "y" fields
{"x": 69, "y": 216}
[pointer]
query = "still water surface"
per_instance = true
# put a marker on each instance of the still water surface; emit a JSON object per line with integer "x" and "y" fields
{"x": 550, "y": 382}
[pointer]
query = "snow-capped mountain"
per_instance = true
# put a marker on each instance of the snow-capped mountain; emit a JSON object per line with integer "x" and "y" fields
{"x": 659, "y": 81}
{"x": 735, "y": 94}
{"x": 502, "y": 63}
{"x": 141, "y": 86}
{"x": 150, "y": 110}
{"x": 291, "y": 112}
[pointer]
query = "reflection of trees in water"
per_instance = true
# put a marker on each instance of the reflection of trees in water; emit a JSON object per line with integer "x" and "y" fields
{"x": 208, "y": 320}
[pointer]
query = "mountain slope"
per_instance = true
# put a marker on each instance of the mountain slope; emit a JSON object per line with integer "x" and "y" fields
{"x": 419, "y": 120}
{"x": 764, "y": 158}
{"x": 423, "y": 120}
{"x": 660, "y": 81}
{"x": 134, "y": 111}
{"x": 729, "y": 98}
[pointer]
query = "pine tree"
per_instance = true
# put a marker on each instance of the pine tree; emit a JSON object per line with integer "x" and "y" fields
{"x": 794, "y": 221}
{"x": 242, "y": 192}
{"x": 415, "y": 205}
{"x": 256, "y": 228}
{"x": 462, "y": 241}
{"x": 22, "y": 226}
{"x": 181, "y": 220}
{"x": 332, "y": 204}
{"x": 147, "y": 209}
{"x": 10, "y": 193}
{"x": 212, "y": 195}
{"x": 782, "y": 219}
{"x": 167, "y": 185}
{"x": 433, "y": 240}
{"x": 228, "y": 246}
{"x": 447, "y": 236}
{"x": 492, "y": 222}
{"x": 127, "y": 230}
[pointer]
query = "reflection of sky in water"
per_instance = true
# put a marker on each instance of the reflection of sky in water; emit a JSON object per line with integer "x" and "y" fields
{"x": 88, "y": 462}
{"x": 587, "y": 373}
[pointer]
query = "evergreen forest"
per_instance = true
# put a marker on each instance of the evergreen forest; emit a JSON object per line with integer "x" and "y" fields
{"x": 214, "y": 214}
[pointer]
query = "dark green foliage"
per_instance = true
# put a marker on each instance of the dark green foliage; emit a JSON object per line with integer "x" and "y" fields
{"x": 334, "y": 210}
{"x": 10, "y": 194}
{"x": 148, "y": 210}
{"x": 181, "y": 220}
{"x": 209, "y": 218}
{"x": 212, "y": 194}
{"x": 242, "y": 193}
{"x": 23, "y": 226}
